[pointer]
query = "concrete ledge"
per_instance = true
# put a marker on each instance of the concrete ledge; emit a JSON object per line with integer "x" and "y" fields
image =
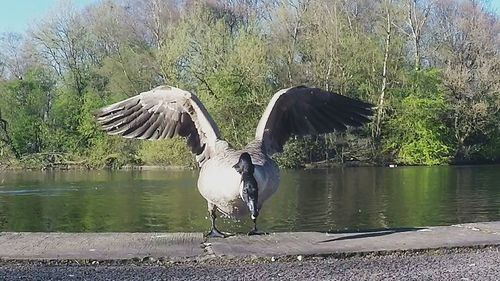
{"x": 178, "y": 246}
{"x": 99, "y": 246}
{"x": 313, "y": 243}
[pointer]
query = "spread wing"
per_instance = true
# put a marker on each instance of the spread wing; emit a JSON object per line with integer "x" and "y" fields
{"x": 307, "y": 111}
{"x": 161, "y": 113}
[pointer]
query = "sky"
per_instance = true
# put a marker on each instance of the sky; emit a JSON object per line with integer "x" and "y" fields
{"x": 17, "y": 15}
{"x": 495, "y": 4}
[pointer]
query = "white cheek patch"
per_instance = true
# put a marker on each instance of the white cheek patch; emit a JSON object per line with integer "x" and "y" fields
{"x": 241, "y": 190}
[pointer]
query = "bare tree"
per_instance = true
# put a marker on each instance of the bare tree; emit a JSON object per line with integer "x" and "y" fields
{"x": 377, "y": 130}
{"x": 16, "y": 59}
{"x": 416, "y": 25}
{"x": 153, "y": 19}
{"x": 62, "y": 43}
{"x": 417, "y": 13}
{"x": 467, "y": 45}
{"x": 288, "y": 25}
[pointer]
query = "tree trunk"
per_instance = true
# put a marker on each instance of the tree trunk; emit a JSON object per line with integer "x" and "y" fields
{"x": 417, "y": 53}
{"x": 380, "y": 110}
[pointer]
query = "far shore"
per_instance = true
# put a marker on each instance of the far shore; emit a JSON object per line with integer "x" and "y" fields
{"x": 315, "y": 165}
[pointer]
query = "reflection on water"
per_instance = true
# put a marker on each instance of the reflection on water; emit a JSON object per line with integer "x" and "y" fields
{"x": 312, "y": 200}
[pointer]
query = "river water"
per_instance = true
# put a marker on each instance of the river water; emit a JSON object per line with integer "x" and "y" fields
{"x": 339, "y": 199}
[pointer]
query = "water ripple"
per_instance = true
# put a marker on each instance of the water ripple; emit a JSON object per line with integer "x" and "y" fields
{"x": 16, "y": 192}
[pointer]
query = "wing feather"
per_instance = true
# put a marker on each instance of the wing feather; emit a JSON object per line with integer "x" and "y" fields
{"x": 163, "y": 112}
{"x": 308, "y": 111}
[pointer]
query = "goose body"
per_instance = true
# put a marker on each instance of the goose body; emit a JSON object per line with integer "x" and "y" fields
{"x": 220, "y": 184}
{"x": 166, "y": 112}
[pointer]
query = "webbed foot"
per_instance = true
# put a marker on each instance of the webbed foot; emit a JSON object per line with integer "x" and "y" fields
{"x": 256, "y": 232}
{"x": 215, "y": 233}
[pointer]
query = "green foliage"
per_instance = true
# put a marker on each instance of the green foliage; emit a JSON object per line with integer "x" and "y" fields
{"x": 491, "y": 149}
{"x": 300, "y": 150}
{"x": 129, "y": 71}
{"x": 167, "y": 152}
{"x": 24, "y": 107}
{"x": 294, "y": 154}
{"x": 66, "y": 114}
{"x": 113, "y": 152}
{"x": 418, "y": 134}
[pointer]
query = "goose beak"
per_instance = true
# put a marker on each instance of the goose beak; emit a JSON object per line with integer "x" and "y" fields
{"x": 237, "y": 167}
{"x": 252, "y": 207}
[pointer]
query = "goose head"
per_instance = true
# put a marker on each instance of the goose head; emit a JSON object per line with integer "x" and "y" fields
{"x": 244, "y": 165}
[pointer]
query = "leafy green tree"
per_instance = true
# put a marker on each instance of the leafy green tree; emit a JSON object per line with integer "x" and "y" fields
{"x": 418, "y": 135}
{"x": 25, "y": 105}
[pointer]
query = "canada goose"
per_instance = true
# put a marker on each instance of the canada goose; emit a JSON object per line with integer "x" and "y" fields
{"x": 165, "y": 112}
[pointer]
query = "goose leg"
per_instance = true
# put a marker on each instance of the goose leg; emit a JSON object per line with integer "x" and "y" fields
{"x": 214, "y": 232}
{"x": 254, "y": 231}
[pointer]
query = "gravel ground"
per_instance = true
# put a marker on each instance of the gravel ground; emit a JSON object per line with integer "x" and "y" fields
{"x": 458, "y": 264}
